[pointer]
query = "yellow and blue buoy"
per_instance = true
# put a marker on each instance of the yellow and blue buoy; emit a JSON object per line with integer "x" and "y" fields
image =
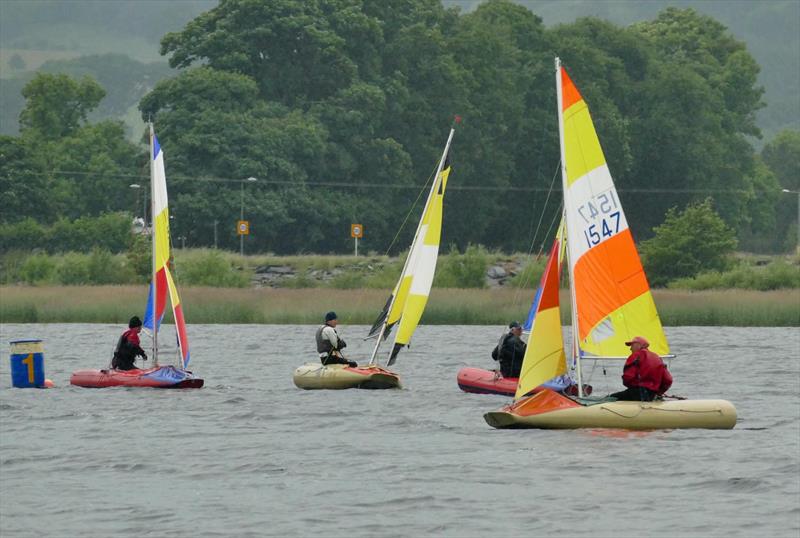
{"x": 27, "y": 364}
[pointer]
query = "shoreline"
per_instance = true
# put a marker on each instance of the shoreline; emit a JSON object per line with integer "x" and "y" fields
{"x": 446, "y": 306}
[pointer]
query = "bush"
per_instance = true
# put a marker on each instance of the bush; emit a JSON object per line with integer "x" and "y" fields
{"x": 466, "y": 270}
{"x": 140, "y": 257}
{"x": 531, "y": 273}
{"x": 11, "y": 266}
{"x": 105, "y": 268}
{"x": 38, "y": 269}
{"x": 777, "y": 275}
{"x": 687, "y": 243}
{"x": 210, "y": 268}
{"x": 73, "y": 270}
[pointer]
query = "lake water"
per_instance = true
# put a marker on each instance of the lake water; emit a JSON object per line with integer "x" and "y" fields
{"x": 251, "y": 455}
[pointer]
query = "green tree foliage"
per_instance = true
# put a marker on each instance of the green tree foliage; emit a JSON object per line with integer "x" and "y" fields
{"x": 61, "y": 166}
{"x": 340, "y": 109}
{"x": 56, "y": 105}
{"x": 689, "y": 242}
{"x": 111, "y": 231}
{"x": 782, "y": 156}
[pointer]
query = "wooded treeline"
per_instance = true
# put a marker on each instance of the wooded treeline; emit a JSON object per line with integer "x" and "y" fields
{"x": 340, "y": 109}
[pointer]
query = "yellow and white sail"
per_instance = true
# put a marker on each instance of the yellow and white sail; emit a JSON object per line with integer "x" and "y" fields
{"x": 410, "y": 295}
{"x": 611, "y": 298}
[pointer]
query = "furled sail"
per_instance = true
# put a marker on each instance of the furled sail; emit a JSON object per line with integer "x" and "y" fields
{"x": 544, "y": 356}
{"x": 610, "y": 293}
{"x": 410, "y": 295}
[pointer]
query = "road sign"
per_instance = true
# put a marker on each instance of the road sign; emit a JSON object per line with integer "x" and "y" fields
{"x": 356, "y": 230}
{"x": 243, "y": 227}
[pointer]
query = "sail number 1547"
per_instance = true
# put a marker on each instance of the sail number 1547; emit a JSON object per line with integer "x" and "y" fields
{"x": 603, "y": 216}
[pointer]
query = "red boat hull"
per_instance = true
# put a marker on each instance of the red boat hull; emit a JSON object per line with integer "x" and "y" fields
{"x": 483, "y": 381}
{"x": 136, "y": 378}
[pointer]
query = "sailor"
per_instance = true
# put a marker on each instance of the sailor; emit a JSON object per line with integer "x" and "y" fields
{"x": 128, "y": 347}
{"x": 644, "y": 373}
{"x": 329, "y": 344}
{"x": 510, "y": 351}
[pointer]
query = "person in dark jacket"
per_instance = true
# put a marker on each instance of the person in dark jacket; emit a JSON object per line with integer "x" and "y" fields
{"x": 644, "y": 373}
{"x": 330, "y": 344}
{"x": 128, "y": 347}
{"x": 510, "y": 351}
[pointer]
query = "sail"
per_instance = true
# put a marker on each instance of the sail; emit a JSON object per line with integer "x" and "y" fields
{"x": 410, "y": 295}
{"x": 544, "y": 357}
{"x": 611, "y": 296}
{"x": 538, "y": 295}
{"x": 161, "y": 250}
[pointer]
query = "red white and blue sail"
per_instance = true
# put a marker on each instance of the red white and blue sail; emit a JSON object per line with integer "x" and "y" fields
{"x": 163, "y": 282}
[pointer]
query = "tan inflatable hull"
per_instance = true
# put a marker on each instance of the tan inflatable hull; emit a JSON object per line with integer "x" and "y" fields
{"x": 666, "y": 415}
{"x": 340, "y": 376}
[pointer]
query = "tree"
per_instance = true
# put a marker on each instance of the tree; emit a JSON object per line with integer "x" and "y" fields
{"x": 689, "y": 242}
{"x": 57, "y": 104}
{"x": 782, "y": 156}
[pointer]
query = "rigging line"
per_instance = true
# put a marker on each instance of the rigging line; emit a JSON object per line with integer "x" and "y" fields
{"x": 403, "y": 185}
{"x": 525, "y": 281}
{"x": 360, "y": 299}
{"x": 414, "y": 205}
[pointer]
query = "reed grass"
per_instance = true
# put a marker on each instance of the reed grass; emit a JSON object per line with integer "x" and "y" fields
{"x": 116, "y": 304}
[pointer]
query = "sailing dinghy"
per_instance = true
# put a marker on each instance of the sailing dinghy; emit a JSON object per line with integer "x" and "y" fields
{"x": 404, "y": 306}
{"x": 158, "y": 376}
{"x": 611, "y": 301}
{"x": 478, "y": 380}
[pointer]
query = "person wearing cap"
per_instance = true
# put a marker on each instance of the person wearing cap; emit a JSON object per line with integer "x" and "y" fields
{"x": 510, "y": 351}
{"x": 128, "y": 347}
{"x": 330, "y": 344}
{"x": 645, "y": 375}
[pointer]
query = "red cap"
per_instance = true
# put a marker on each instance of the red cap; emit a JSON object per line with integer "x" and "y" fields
{"x": 640, "y": 340}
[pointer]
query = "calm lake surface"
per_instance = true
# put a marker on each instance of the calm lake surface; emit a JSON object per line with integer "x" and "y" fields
{"x": 251, "y": 455}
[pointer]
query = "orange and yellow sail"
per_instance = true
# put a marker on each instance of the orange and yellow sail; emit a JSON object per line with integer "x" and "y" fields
{"x": 544, "y": 356}
{"x": 610, "y": 293}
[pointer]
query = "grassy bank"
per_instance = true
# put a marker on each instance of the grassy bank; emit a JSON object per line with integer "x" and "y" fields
{"x": 115, "y": 304}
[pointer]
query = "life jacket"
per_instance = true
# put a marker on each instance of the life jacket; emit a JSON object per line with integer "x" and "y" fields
{"x": 323, "y": 344}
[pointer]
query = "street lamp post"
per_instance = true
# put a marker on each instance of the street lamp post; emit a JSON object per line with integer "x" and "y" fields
{"x": 251, "y": 179}
{"x": 787, "y": 191}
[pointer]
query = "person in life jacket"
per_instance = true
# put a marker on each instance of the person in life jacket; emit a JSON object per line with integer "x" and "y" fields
{"x": 645, "y": 374}
{"x": 329, "y": 344}
{"x": 510, "y": 351}
{"x": 128, "y": 347}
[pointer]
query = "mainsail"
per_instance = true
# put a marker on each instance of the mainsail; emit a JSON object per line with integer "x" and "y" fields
{"x": 410, "y": 295}
{"x": 162, "y": 277}
{"x": 544, "y": 356}
{"x": 611, "y": 298}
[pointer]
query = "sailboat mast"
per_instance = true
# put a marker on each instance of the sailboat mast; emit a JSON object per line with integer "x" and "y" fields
{"x": 436, "y": 178}
{"x": 154, "y": 279}
{"x": 576, "y": 360}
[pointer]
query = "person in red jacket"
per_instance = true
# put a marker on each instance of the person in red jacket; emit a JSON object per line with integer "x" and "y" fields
{"x": 128, "y": 347}
{"x": 645, "y": 374}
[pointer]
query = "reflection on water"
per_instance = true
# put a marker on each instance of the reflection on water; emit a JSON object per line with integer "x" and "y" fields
{"x": 251, "y": 455}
